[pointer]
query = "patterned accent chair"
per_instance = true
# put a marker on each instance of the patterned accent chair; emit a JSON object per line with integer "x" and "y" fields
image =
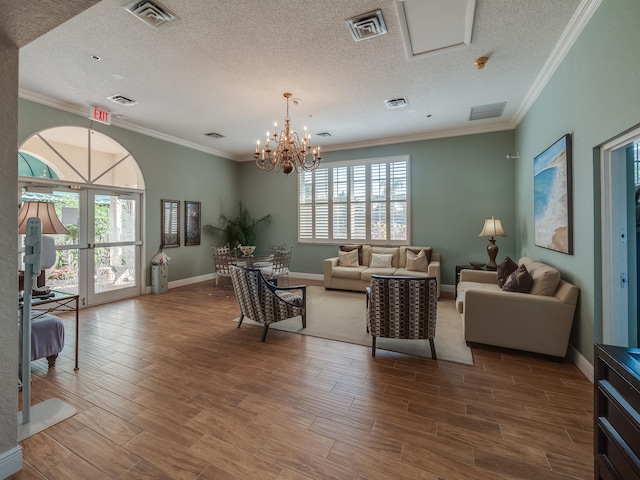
{"x": 263, "y": 302}
{"x": 402, "y": 307}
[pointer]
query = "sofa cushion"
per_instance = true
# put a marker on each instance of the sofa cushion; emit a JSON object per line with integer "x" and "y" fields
{"x": 545, "y": 278}
{"x": 463, "y": 287}
{"x": 428, "y": 251}
{"x": 506, "y": 268}
{"x": 417, "y": 262}
{"x": 348, "y": 248}
{"x": 381, "y": 260}
{"x": 366, "y": 274}
{"x": 519, "y": 281}
{"x": 395, "y": 251}
{"x": 348, "y": 259}
{"x": 352, "y": 273}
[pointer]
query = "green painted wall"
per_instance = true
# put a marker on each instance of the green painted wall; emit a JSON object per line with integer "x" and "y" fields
{"x": 170, "y": 171}
{"x": 594, "y": 96}
{"x": 455, "y": 184}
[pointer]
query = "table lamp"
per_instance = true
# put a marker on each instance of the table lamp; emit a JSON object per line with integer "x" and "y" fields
{"x": 492, "y": 228}
{"x": 51, "y": 224}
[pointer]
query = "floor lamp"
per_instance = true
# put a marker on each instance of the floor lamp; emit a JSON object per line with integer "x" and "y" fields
{"x": 34, "y": 219}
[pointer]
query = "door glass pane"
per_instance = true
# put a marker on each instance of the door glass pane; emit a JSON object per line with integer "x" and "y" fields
{"x": 115, "y": 268}
{"x": 64, "y": 273}
{"x": 115, "y": 219}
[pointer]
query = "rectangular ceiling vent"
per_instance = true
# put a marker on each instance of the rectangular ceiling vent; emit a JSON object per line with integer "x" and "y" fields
{"x": 122, "y": 100}
{"x": 396, "y": 103}
{"x": 367, "y": 25}
{"x": 150, "y": 13}
{"x": 213, "y": 135}
{"x": 491, "y": 110}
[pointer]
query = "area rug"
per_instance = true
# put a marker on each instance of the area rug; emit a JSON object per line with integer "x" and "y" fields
{"x": 339, "y": 315}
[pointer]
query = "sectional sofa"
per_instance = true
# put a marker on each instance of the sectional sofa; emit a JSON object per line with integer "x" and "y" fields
{"x": 358, "y": 277}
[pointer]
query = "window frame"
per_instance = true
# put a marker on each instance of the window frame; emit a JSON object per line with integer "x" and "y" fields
{"x": 330, "y": 168}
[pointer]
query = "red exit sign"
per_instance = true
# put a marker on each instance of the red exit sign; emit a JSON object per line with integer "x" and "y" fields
{"x": 100, "y": 115}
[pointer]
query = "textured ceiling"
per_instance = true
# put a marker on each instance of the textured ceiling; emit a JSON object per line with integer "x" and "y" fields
{"x": 224, "y": 65}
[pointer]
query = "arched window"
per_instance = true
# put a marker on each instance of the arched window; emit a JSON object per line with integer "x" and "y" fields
{"x": 79, "y": 155}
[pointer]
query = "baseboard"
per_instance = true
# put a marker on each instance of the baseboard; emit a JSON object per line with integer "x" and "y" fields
{"x": 581, "y": 362}
{"x": 448, "y": 288}
{"x": 10, "y": 461}
{"x": 307, "y": 276}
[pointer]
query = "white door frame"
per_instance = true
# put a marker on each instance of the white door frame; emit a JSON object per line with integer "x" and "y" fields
{"x": 615, "y": 234}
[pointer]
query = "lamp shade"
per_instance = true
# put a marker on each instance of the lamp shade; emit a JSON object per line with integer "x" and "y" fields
{"x": 492, "y": 228}
{"x": 46, "y": 212}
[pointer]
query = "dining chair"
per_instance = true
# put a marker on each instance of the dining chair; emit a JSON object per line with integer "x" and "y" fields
{"x": 222, "y": 263}
{"x": 279, "y": 266}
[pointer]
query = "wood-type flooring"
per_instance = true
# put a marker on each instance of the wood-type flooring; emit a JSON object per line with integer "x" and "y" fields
{"x": 169, "y": 388}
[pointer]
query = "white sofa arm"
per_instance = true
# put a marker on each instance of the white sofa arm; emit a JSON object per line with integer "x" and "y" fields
{"x": 480, "y": 276}
{"x": 329, "y": 264}
{"x": 522, "y": 321}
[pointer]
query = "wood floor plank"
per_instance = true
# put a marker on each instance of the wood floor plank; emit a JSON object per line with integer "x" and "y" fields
{"x": 165, "y": 392}
{"x": 178, "y": 463}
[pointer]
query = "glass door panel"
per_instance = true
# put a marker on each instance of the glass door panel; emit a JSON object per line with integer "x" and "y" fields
{"x": 114, "y": 238}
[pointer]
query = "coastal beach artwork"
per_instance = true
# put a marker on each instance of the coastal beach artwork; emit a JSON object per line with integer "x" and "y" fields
{"x": 553, "y": 210}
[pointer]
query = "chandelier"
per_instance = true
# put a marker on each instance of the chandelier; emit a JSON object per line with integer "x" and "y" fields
{"x": 288, "y": 152}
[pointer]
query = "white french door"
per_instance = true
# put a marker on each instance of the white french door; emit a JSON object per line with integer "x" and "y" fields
{"x": 113, "y": 247}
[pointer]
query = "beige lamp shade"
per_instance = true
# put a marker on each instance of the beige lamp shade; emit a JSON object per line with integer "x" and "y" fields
{"x": 46, "y": 212}
{"x": 492, "y": 228}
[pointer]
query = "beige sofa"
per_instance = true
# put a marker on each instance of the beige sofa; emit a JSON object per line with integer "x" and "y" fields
{"x": 358, "y": 278}
{"x": 539, "y": 321}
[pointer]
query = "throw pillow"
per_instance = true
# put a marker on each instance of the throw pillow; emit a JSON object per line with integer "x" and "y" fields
{"x": 427, "y": 251}
{"x": 348, "y": 259}
{"x": 381, "y": 260}
{"x": 519, "y": 281}
{"x": 506, "y": 268}
{"x": 417, "y": 263}
{"x": 348, "y": 248}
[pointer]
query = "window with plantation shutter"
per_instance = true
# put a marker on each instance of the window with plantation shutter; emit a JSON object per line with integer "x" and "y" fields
{"x": 358, "y": 201}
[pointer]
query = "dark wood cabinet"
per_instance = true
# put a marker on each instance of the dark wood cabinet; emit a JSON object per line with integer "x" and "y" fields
{"x": 617, "y": 413}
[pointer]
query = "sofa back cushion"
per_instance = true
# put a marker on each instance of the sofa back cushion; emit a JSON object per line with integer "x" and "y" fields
{"x": 394, "y": 251}
{"x": 545, "y": 278}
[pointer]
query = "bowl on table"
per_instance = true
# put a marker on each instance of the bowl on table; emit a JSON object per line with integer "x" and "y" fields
{"x": 477, "y": 265}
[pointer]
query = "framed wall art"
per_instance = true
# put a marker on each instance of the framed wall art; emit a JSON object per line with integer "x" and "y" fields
{"x": 553, "y": 204}
{"x": 170, "y": 212}
{"x": 192, "y": 223}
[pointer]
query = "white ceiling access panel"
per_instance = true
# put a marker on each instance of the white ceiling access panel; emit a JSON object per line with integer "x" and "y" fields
{"x": 429, "y": 26}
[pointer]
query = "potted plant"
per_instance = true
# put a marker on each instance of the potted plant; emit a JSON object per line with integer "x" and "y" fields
{"x": 238, "y": 230}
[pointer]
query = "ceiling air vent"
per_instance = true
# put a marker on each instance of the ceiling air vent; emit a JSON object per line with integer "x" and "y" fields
{"x": 150, "y": 13}
{"x": 122, "y": 100}
{"x": 396, "y": 103}
{"x": 213, "y": 135}
{"x": 365, "y": 26}
{"x": 492, "y": 110}
{"x": 323, "y": 134}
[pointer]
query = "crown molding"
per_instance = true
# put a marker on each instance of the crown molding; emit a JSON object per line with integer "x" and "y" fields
{"x": 578, "y": 22}
{"x": 82, "y": 111}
